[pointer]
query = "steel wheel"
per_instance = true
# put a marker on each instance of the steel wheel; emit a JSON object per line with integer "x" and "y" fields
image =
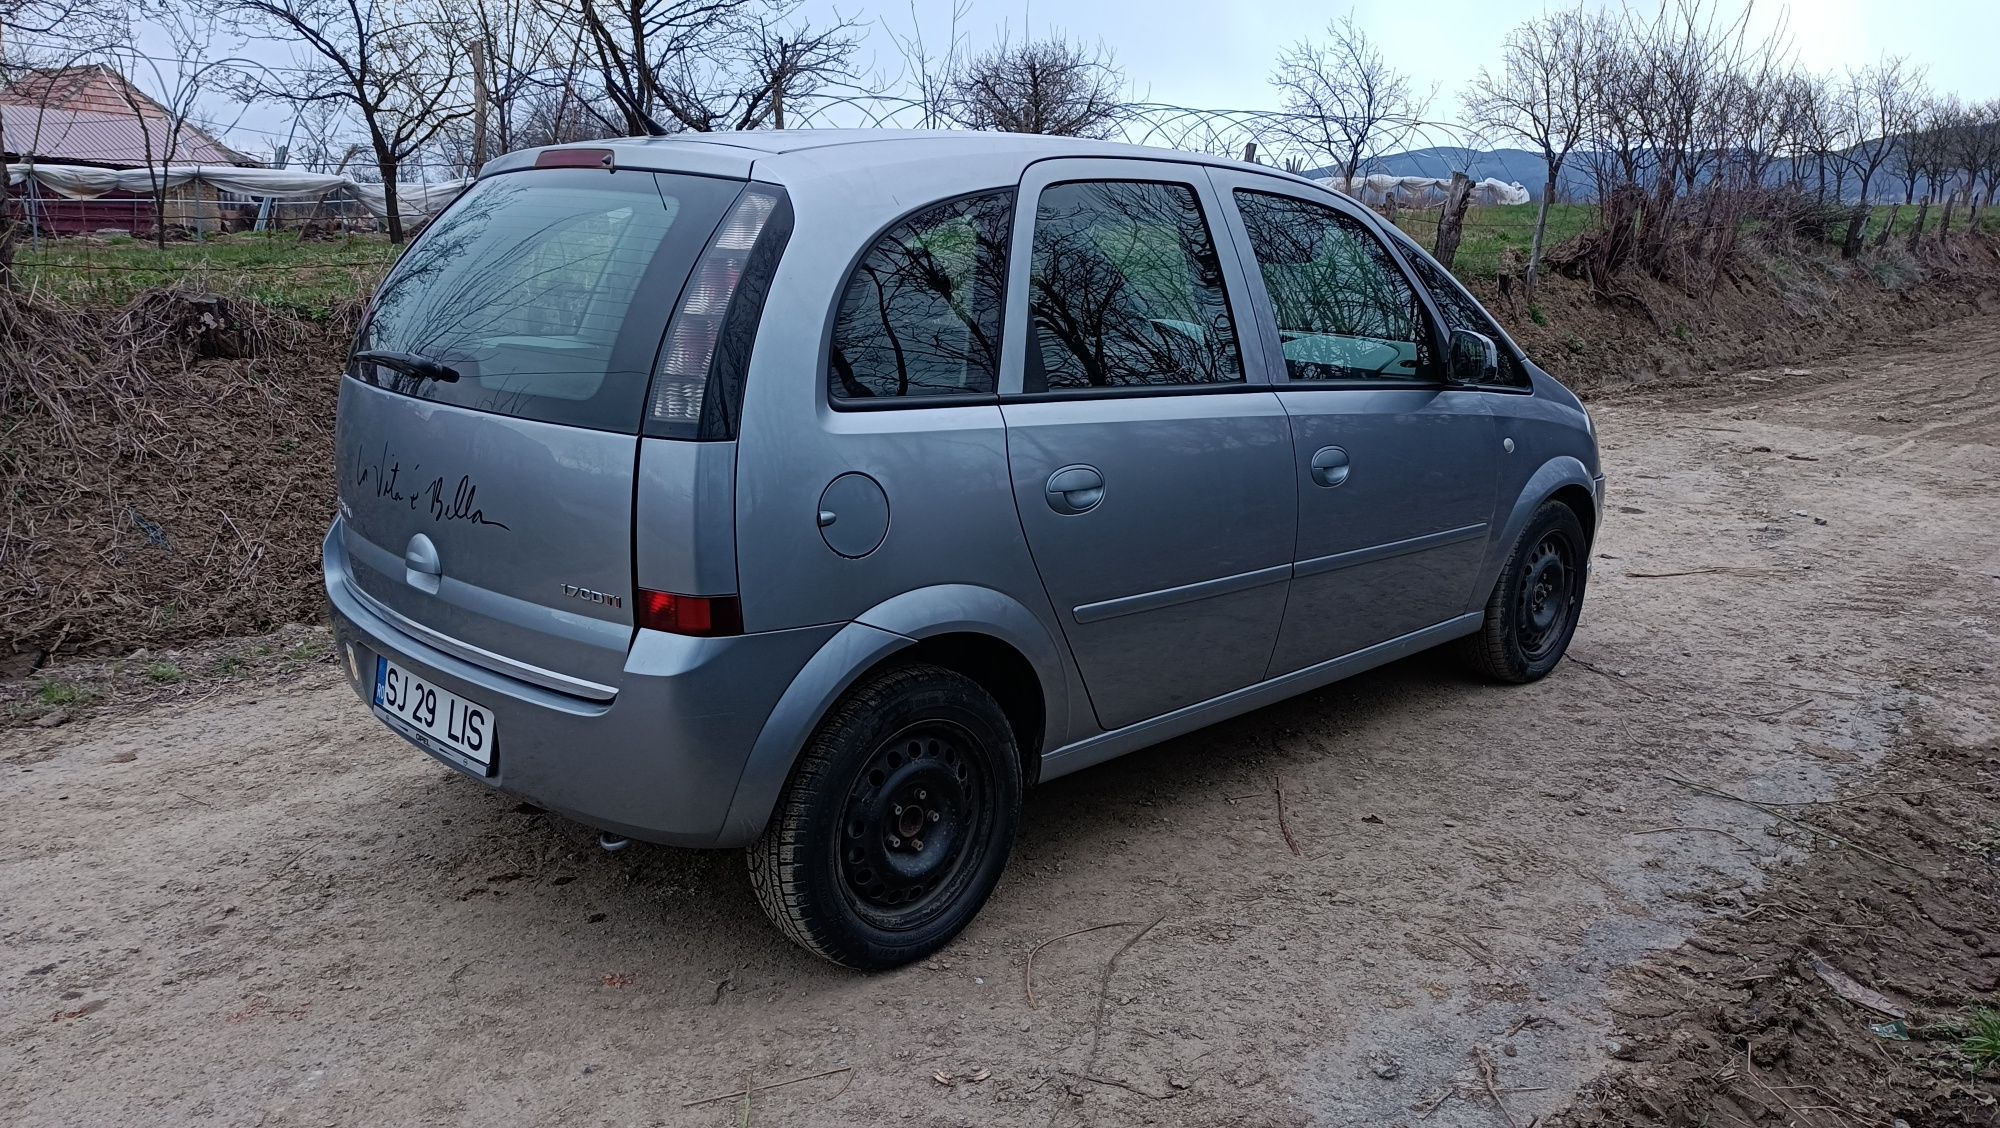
{"x": 1548, "y": 594}
{"x": 1536, "y": 600}
{"x": 897, "y": 820}
{"x": 913, "y": 823}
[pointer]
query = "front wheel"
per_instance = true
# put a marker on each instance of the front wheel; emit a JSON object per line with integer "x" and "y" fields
{"x": 1534, "y": 607}
{"x": 896, "y": 822}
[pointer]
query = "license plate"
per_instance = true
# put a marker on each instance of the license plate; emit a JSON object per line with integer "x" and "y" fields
{"x": 458, "y": 726}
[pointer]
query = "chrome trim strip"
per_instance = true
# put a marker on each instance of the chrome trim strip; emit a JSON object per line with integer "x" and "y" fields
{"x": 1186, "y": 593}
{"x": 498, "y": 663}
{"x": 1372, "y": 553}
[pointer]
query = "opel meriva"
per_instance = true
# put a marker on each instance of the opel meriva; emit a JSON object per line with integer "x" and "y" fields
{"x": 819, "y": 492}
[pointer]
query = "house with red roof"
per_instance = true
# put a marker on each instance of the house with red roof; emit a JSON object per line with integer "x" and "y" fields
{"x": 91, "y": 115}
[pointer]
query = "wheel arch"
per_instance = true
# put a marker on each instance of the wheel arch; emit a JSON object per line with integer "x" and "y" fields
{"x": 1562, "y": 479}
{"x": 984, "y": 634}
{"x": 1583, "y": 503}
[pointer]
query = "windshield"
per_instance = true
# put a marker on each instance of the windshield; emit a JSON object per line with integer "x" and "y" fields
{"x": 546, "y": 292}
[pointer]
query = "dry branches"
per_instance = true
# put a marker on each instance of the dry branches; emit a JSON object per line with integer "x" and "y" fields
{"x": 137, "y": 439}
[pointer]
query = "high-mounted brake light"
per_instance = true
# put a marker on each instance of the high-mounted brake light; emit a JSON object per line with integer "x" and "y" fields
{"x": 574, "y": 158}
{"x": 681, "y": 383}
{"x": 707, "y": 616}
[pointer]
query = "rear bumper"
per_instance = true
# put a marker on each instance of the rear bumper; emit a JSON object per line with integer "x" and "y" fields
{"x": 660, "y": 762}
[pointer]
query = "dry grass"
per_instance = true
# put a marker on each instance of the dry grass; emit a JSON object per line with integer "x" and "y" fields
{"x": 165, "y": 465}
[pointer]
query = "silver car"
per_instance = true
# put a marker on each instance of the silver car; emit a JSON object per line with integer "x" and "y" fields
{"x": 818, "y": 493}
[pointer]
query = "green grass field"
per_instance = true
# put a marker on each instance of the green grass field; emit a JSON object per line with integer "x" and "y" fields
{"x": 1906, "y": 219}
{"x": 1491, "y": 230}
{"x": 303, "y": 277}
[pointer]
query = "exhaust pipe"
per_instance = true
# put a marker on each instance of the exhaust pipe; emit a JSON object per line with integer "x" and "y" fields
{"x": 612, "y": 843}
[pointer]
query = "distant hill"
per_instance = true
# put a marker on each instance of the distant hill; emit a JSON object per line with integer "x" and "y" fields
{"x": 1512, "y": 166}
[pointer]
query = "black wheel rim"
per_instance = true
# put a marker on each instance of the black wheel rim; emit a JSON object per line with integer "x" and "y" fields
{"x": 1550, "y": 586}
{"x": 915, "y": 824}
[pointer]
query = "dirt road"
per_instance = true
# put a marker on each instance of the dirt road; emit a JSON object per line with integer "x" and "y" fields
{"x": 263, "y": 909}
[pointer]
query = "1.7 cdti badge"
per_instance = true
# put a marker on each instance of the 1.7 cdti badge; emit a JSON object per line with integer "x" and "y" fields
{"x": 590, "y": 596}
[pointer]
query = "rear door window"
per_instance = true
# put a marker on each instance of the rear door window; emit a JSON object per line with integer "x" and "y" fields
{"x": 546, "y": 292}
{"x": 1125, "y": 291}
{"x": 920, "y": 315}
{"x": 1345, "y": 310}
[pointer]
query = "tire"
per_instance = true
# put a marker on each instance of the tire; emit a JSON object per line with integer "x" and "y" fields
{"x": 896, "y": 822}
{"x": 1533, "y": 610}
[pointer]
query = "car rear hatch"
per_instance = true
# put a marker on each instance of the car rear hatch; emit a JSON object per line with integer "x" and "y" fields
{"x": 490, "y": 420}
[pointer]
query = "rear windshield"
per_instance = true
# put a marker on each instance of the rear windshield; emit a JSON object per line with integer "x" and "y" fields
{"x": 547, "y": 291}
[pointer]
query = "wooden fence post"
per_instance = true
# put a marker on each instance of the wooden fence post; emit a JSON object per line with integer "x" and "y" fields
{"x": 1857, "y": 226}
{"x": 1451, "y": 220}
{"x": 1882, "y": 240}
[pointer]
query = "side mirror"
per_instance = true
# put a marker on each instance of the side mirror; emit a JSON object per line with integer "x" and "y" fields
{"x": 1474, "y": 358}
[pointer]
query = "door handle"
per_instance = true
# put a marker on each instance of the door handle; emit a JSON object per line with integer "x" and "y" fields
{"x": 1329, "y": 466}
{"x": 1075, "y": 489}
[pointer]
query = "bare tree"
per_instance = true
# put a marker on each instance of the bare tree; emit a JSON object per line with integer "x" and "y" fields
{"x": 67, "y": 30}
{"x": 1930, "y": 149}
{"x": 507, "y": 43}
{"x": 1880, "y": 104}
{"x": 669, "y": 65}
{"x": 1988, "y": 123}
{"x": 1615, "y": 152}
{"x": 633, "y": 41}
{"x": 1692, "y": 114}
{"x": 1051, "y": 86}
{"x": 1346, "y": 102}
{"x": 1906, "y": 156}
{"x": 1817, "y": 132}
{"x": 1684, "y": 55}
{"x": 1798, "y": 97}
{"x": 563, "y": 103}
{"x": 930, "y": 73}
{"x": 1541, "y": 98}
{"x": 1974, "y": 146}
{"x": 180, "y": 82}
{"x": 1769, "y": 123}
{"x": 392, "y": 66}
{"x": 322, "y": 139}
{"x": 526, "y": 82}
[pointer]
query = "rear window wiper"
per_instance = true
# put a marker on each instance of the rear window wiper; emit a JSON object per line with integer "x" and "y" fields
{"x": 409, "y": 364}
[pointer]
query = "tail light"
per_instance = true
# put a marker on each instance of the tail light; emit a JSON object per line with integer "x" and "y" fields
{"x": 707, "y": 616}
{"x": 707, "y": 343}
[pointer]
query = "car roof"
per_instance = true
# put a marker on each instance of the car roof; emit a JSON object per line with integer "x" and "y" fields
{"x": 834, "y": 150}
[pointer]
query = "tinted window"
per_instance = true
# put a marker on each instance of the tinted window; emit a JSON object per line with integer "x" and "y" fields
{"x": 1125, "y": 291}
{"x": 547, "y": 292}
{"x": 921, "y": 313}
{"x": 1460, "y": 311}
{"x": 1345, "y": 310}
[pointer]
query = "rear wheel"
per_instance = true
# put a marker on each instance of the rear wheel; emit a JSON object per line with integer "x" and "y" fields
{"x": 896, "y": 822}
{"x": 1534, "y": 607}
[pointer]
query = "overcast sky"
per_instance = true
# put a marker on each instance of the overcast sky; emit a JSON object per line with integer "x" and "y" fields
{"x": 1194, "y": 53}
